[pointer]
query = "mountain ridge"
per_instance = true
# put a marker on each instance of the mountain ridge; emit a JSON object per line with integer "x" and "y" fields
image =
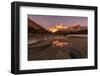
{"x": 33, "y": 28}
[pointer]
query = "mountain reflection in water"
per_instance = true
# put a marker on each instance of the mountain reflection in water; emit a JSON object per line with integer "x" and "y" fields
{"x": 60, "y": 43}
{"x": 47, "y": 47}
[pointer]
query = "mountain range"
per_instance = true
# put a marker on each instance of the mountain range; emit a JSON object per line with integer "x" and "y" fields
{"x": 34, "y": 28}
{"x": 69, "y": 29}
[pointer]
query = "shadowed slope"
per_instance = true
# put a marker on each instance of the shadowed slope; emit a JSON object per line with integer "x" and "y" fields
{"x": 33, "y": 27}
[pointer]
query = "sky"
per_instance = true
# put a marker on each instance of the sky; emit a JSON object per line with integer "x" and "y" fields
{"x": 49, "y": 20}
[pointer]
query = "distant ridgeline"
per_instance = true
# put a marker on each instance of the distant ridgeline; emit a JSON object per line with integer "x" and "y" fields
{"x": 34, "y": 28}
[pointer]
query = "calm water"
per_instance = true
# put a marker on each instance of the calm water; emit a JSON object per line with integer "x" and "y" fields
{"x": 47, "y": 47}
